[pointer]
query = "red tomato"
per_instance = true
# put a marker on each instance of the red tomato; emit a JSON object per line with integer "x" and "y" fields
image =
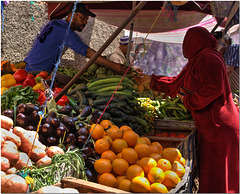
{"x": 172, "y": 135}
{"x": 181, "y": 136}
{"x": 164, "y": 134}
{"x": 158, "y": 135}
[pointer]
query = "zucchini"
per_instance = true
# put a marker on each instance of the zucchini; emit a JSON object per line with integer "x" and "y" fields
{"x": 124, "y": 84}
{"x": 81, "y": 87}
{"x": 115, "y": 112}
{"x": 117, "y": 121}
{"x": 113, "y": 77}
{"x": 110, "y": 88}
{"x": 81, "y": 98}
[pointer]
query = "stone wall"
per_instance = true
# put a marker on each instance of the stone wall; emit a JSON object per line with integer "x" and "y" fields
{"x": 23, "y": 21}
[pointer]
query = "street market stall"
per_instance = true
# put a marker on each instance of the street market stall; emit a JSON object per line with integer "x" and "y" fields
{"x": 94, "y": 130}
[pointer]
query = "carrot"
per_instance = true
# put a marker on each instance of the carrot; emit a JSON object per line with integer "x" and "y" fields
{"x": 9, "y": 136}
{"x": 6, "y": 122}
{"x": 27, "y": 140}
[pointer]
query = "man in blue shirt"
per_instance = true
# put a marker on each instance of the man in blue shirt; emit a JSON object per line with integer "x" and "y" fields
{"x": 46, "y": 48}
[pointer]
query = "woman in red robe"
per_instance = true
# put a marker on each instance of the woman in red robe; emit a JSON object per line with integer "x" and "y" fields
{"x": 207, "y": 94}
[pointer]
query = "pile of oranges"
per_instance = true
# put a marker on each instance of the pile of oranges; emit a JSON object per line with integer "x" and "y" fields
{"x": 132, "y": 163}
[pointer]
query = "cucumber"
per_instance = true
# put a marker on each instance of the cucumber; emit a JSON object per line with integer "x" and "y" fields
{"x": 124, "y": 84}
{"x": 117, "y": 121}
{"x": 81, "y": 87}
{"x": 81, "y": 98}
{"x": 112, "y": 76}
{"x": 110, "y": 88}
{"x": 115, "y": 112}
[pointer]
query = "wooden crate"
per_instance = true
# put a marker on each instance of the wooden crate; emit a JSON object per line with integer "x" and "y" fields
{"x": 173, "y": 124}
{"x": 85, "y": 186}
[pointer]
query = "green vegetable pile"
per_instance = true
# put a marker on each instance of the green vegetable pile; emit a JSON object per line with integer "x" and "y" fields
{"x": 17, "y": 95}
{"x": 71, "y": 162}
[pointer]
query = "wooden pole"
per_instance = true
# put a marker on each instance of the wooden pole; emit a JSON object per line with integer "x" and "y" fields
{"x": 101, "y": 49}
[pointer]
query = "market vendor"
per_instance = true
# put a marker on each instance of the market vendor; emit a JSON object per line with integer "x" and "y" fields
{"x": 119, "y": 55}
{"x": 204, "y": 89}
{"x": 46, "y": 49}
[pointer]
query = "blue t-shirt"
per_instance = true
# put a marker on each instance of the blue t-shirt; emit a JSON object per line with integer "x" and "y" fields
{"x": 46, "y": 48}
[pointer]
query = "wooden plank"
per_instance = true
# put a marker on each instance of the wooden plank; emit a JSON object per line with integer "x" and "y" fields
{"x": 85, "y": 186}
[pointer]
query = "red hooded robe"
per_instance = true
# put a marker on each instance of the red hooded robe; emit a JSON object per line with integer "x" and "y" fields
{"x": 212, "y": 107}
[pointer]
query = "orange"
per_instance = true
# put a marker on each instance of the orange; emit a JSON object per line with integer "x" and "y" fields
{"x": 178, "y": 168}
{"x": 130, "y": 155}
{"x": 114, "y": 133}
{"x": 171, "y": 154}
{"x": 153, "y": 149}
{"x": 120, "y": 166}
{"x": 137, "y": 162}
{"x": 155, "y": 156}
{"x": 147, "y": 140}
{"x": 108, "y": 139}
{"x": 101, "y": 145}
{"x": 158, "y": 145}
{"x": 134, "y": 170}
{"x": 125, "y": 128}
{"x": 156, "y": 174}
{"x": 171, "y": 179}
{"x": 96, "y": 131}
{"x": 102, "y": 165}
{"x": 125, "y": 185}
{"x": 107, "y": 179}
{"x": 140, "y": 184}
{"x": 140, "y": 141}
{"x": 142, "y": 150}
{"x": 182, "y": 161}
{"x": 118, "y": 145}
{"x": 119, "y": 178}
{"x": 158, "y": 188}
{"x": 130, "y": 137}
{"x": 119, "y": 155}
{"x": 164, "y": 164}
{"x": 109, "y": 155}
{"x": 147, "y": 163}
{"x": 105, "y": 124}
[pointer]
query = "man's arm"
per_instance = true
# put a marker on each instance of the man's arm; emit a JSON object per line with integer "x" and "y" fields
{"x": 229, "y": 69}
{"x": 119, "y": 68}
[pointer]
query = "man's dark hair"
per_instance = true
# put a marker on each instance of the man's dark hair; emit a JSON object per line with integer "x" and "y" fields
{"x": 217, "y": 35}
{"x": 81, "y": 8}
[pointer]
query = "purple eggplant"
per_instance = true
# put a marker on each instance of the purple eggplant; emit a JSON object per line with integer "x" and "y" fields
{"x": 47, "y": 129}
{"x": 89, "y": 163}
{"x": 87, "y": 110}
{"x": 22, "y": 108}
{"x": 71, "y": 147}
{"x": 82, "y": 131}
{"x": 55, "y": 122}
{"x": 51, "y": 115}
{"x": 70, "y": 139}
{"x": 31, "y": 108}
{"x": 34, "y": 117}
{"x": 52, "y": 141}
{"x": 60, "y": 130}
{"x": 95, "y": 116}
{"x": 31, "y": 128}
{"x": 91, "y": 176}
{"x": 22, "y": 120}
{"x": 81, "y": 140}
{"x": 87, "y": 150}
{"x": 9, "y": 113}
{"x": 67, "y": 109}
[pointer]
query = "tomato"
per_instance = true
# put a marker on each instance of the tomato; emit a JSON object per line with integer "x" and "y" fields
{"x": 158, "y": 135}
{"x": 172, "y": 135}
{"x": 164, "y": 134}
{"x": 43, "y": 74}
{"x": 181, "y": 136}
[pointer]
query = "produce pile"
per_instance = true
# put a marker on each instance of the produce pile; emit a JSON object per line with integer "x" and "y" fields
{"x": 133, "y": 163}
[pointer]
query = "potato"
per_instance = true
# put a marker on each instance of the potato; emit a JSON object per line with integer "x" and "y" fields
{"x": 27, "y": 139}
{"x": 23, "y": 161}
{"x": 69, "y": 190}
{"x": 45, "y": 161}
{"x": 11, "y": 170}
{"x": 53, "y": 150}
{"x": 9, "y": 151}
{"x": 3, "y": 173}
{"x": 2, "y": 141}
{"x": 36, "y": 154}
{"x": 13, "y": 183}
{"x": 6, "y": 122}
{"x": 11, "y": 137}
{"x": 5, "y": 164}
{"x": 50, "y": 189}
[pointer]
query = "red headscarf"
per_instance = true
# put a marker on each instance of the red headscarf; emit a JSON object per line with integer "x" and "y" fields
{"x": 196, "y": 41}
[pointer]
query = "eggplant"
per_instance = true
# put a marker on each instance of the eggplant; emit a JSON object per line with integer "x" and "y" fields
{"x": 90, "y": 144}
{"x": 91, "y": 176}
{"x": 60, "y": 130}
{"x": 34, "y": 117}
{"x": 67, "y": 109}
{"x": 87, "y": 150}
{"x": 81, "y": 140}
{"x": 55, "y": 122}
{"x": 9, "y": 113}
{"x": 31, "y": 108}
{"x": 87, "y": 110}
{"x": 69, "y": 123}
{"x": 89, "y": 163}
{"x": 71, "y": 147}
{"x": 95, "y": 116}
{"x": 85, "y": 157}
{"x": 31, "y": 128}
{"x": 22, "y": 120}
{"x": 82, "y": 131}
{"x": 22, "y": 108}
{"x": 51, "y": 115}
{"x": 70, "y": 139}
{"x": 81, "y": 124}
{"x": 47, "y": 129}
{"x": 52, "y": 141}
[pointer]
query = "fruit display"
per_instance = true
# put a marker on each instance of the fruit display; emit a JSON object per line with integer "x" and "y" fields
{"x": 133, "y": 163}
